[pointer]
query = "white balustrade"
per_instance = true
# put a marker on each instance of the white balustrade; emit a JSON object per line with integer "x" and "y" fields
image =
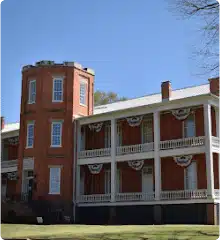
{"x": 102, "y": 152}
{"x": 9, "y": 163}
{"x": 138, "y": 196}
{"x": 215, "y": 142}
{"x": 95, "y": 198}
{"x": 217, "y": 194}
{"x": 138, "y": 148}
{"x": 182, "y": 143}
{"x": 183, "y": 194}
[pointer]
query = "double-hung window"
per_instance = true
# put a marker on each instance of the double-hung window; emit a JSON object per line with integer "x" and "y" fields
{"x": 30, "y": 135}
{"x": 32, "y": 92}
{"x": 57, "y": 89}
{"x": 189, "y": 129}
{"x": 83, "y": 86}
{"x": 147, "y": 130}
{"x": 55, "y": 180}
{"x": 56, "y": 133}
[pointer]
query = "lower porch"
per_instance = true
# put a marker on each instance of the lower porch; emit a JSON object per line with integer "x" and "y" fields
{"x": 136, "y": 183}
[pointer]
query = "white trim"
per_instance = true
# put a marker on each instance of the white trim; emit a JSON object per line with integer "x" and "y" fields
{"x": 29, "y": 124}
{"x": 30, "y": 93}
{"x": 195, "y": 173}
{"x": 57, "y": 79}
{"x": 159, "y": 202}
{"x": 61, "y": 133}
{"x": 83, "y": 83}
{"x": 185, "y": 121}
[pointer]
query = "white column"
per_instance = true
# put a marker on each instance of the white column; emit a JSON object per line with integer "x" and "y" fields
{"x": 157, "y": 162}
{"x": 78, "y": 166}
{"x": 208, "y": 150}
{"x": 113, "y": 159}
{"x": 217, "y": 119}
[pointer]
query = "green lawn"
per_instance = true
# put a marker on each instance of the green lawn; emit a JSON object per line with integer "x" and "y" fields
{"x": 77, "y": 232}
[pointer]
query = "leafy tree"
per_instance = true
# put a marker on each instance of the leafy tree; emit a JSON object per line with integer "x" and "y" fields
{"x": 101, "y": 98}
{"x": 207, "y": 14}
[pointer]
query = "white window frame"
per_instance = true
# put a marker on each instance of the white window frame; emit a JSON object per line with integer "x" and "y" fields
{"x": 29, "y": 124}
{"x": 196, "y": 176}
{"x": 61, "y": 132}
{"x": 147, "y": 136}
{"x": 32, "y": 95}
{"x": 184, "y": 125}
{"x": 107, "y": 136}
{"x": 83, "y": 83}
{"x": 119, "y": 135}
{"x": 58, "y": 184}
{"x": 61, "y": 90}
{"x": 107, "y": 180}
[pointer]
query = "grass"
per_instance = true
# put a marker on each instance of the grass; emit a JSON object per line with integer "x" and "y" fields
{"x": 87, "y": 232}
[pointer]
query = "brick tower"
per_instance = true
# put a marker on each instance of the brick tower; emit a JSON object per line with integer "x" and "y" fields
{"x": 52, "y": 96}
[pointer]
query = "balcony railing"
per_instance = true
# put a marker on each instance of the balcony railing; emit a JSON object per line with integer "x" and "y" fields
{"x": 102, "y": 152}
{"x": 138, "y": 148}
{"x": 215, "y": 142}
{"x": 217, "y": 194}
{"x": 182, "y": 143}
{"x": 128, "y": 197}
{"x": 95, "y": 198}
{"x": 183, "y": 194}
{"x": 9, "y": 163}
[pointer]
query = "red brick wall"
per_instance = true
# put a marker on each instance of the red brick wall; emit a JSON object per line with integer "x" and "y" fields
{"x": 43, "y": 112}
{"x": 216, "y": 169}
{"x": 12, "y": 152}
{"x": 131, "y": 135}
{"x": 94, "y": 140}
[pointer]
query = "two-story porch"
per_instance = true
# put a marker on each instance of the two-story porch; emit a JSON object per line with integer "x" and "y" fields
{"x": 159, "y": 158}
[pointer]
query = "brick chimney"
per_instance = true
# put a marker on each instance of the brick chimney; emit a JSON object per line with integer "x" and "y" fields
{"x": 214, "y": 85}
{"x": 166, "y": 90}
{"x": 2, "y": 122}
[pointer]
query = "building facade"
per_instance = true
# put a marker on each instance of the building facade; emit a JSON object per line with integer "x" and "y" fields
{"x": 148, "y": 160}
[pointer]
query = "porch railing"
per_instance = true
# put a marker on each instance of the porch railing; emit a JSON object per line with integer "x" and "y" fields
{"x": 95, "y": 198}
{"x": 102, "y": 152}
{"x": 215, "y": 142}
{"x": 138, "y": 148}
{"x": 217, "y": 194}
{"x": 183, "y": 194}
{"x": 139, "y": 196}
{"x": 182, "y": 143}
{"x": 9, "y": 163}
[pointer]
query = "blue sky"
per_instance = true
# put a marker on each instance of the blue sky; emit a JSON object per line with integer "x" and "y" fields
{"x": 132, "y": 45}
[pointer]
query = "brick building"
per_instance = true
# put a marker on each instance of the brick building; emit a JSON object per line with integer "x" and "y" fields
{"x": 147, "y": 160}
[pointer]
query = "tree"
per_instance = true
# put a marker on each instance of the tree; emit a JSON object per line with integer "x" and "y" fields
{"x": 207, "y": 13}
{"x": 101, "y": 98}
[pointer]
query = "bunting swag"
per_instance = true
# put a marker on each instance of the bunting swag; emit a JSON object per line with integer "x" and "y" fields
{"x": 12, "y": 175}
{"x": 134, "y": 121}
{"x": 182, "y": 113}
{"x": 184, "y": 160}
{"x": 136, "y": 164}
{"x": 95, "y": 168}
{"x": 96, "y": 126}
{"x": 13, "y": 141}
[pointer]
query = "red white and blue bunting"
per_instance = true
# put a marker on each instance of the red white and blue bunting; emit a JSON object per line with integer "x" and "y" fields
{"x": 136, "y": 164}
{"x": 134, "y": 121}
{"x": 184, "y": 160}
{"x": 95, "y": 168}
{"x": 182, "y": 113}
{"x": 13, "y": 141}
{"x": 12, "y": 175}
{"x": 96, "y": 126}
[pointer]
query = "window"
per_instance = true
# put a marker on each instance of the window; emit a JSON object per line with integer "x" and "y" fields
{"x": 147, "y": 131}
{"x": 32, "y": 92}
{"x": 56, "y": 133}
{"x": 108, "y": 181}
{"x": 191, "y": 176}
{"x": 107, "y": 136}
{"x": 30, "y": 135}
{"x": 119, "y": 135}
{"x": 189, "y": 126}
{"x": 57, "y": 90}
{"x": 55, "y": 176}
{"x": 83, "y": 93}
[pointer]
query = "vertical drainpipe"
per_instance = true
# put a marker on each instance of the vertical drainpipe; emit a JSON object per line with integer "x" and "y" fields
{"x": 74, "y": 169}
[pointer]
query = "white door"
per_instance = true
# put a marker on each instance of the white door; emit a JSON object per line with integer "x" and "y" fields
{"x": 191, "y": 177}
{"x": 108, "y": 181}
{"x": 147, "y": 179}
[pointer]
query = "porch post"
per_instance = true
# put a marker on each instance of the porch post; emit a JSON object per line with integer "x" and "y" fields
{"x": 157, "y": 162}
{"x": 78, "y": 166}
{"x": 113, "y": 159}
{"x": 208, "y": 150}
{"x": 217, "y": 119}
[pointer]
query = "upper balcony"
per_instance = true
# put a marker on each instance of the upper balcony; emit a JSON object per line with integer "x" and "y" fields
{"x": 9, "y": 166}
